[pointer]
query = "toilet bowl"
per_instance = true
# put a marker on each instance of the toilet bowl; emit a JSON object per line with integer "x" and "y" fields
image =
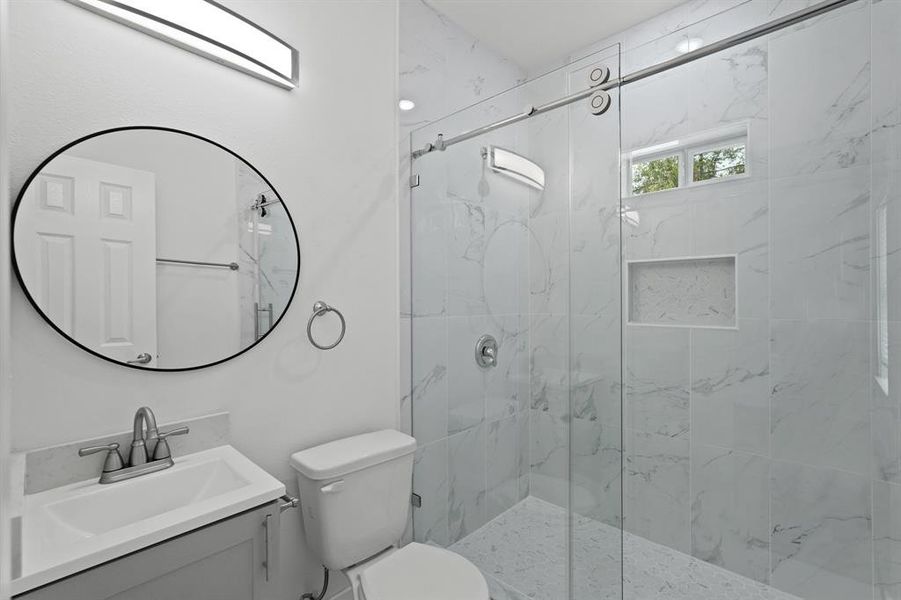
{"x": 417, "y": 572}
{"x": 355, "y": 500}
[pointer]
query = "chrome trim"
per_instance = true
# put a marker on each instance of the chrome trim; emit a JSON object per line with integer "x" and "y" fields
{"x": 486, "y": 351}
{"x": 746, "y": 36}
{"x": 288, "y": 502}
{"x": 136, "y": 471}
{"x": 141, "y": 359}
{"x": 142, "y": 446}
{"x": 266, "y": 524}
{"x": 285, "y": 83}
{"x": 112, "y": 462}
{"x": 319, "y": 309}
{"x": 198, "y": 263}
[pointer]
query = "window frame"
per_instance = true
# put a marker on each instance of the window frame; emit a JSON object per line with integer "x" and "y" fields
{"x": 685, "y": 149}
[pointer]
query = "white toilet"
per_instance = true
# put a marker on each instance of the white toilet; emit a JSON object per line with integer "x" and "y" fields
{"x": 355, "y": 494}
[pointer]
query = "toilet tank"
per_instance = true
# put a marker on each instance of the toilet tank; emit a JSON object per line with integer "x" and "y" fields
{"x": 355, "y": 495}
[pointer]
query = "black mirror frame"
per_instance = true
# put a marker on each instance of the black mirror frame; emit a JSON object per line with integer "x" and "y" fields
{"x": 31, "y": 300}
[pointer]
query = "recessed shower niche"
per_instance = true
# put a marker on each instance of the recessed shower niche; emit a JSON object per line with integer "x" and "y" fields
{"x": 696, "y": 292}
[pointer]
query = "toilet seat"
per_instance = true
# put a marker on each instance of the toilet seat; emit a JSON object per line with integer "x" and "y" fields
{"x": 421, "y": 572}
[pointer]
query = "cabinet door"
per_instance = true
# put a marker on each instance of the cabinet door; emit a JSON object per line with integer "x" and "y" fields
{"x": 227, "y": 560}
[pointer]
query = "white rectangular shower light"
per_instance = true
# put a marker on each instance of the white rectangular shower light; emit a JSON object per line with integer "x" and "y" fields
{"x": 515, "y": 166}
{"x": 209, "y": 29}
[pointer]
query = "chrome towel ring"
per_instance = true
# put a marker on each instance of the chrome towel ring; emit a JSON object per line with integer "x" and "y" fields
{"x": 319, "y": 309}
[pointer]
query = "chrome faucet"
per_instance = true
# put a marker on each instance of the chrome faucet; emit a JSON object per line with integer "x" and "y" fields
{"x": 143, "y": 446}
{"x": 149, "y": 451}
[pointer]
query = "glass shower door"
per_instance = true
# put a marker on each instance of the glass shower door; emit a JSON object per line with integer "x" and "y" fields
{"x": 512, "y": 239}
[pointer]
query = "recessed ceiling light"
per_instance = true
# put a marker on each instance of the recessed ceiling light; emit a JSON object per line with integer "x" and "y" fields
{"x": 689, "y": 44}
{"x": 405, "y": 104}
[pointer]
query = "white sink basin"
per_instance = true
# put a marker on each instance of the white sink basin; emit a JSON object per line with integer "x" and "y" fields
{"x": 75, "y": 527}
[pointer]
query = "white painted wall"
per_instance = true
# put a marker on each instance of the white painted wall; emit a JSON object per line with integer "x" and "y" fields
{"x": 328, "y": 147}
{"x": 5, "y": 340}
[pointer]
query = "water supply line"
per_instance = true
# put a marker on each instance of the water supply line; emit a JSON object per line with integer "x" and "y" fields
{"x": 310, "y": 595}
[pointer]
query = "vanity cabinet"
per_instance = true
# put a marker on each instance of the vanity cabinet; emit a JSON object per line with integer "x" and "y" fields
{"x": 226, "y": 560}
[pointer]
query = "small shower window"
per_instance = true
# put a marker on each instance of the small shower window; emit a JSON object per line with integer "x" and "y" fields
{"x": 656, "y": 174}
{"x": 696, "y": 159}
{"x": 717, "y": 163}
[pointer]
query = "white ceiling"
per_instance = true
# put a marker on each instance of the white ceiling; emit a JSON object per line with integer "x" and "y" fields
{"x": 536, "y": 33}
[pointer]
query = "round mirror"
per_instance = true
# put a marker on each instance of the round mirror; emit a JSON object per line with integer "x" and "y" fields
{"x": 155, "y": 248}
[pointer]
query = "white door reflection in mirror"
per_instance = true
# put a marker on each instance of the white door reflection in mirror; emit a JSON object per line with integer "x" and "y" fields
{"x": 93, "y": 254}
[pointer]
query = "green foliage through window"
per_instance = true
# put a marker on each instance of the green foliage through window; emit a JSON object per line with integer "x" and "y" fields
{"x": 723, "y": 162}
{"x": 655, "y": 175}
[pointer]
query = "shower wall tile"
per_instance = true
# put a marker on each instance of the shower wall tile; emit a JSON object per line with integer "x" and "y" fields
{"x": 476, "y": 394}
{"x": 886, "y": 414}
{"x": 549, "y": 367}
{"x": 658, "y": 381}
{"x": 821, "y": 527}
{"x": 466, "y": 389}
{"x": 549, "y": 457}
{"x": 886, "y": 91}
{"x": 596, "y": 369}
{"x": 430, "y": 481}
{"x": 507, "y": 384}
{"x": 702, "y": 96}
{"x": 656, "y": 489}
{"x": 655, "y": 39}
{"x": 595, "y": 259}
{"x": 887, "y": 196}
{"x": 466, "y": 475}
{"x": 525, "y": 449}
{"x": 820, "y": 397}
{"x": 485, "y": 270}
{"x": 887, "y": 540}
{"x": 819, "y": 95}
{"x": 478, "y": 72}
{"x": 429, "y": 262}
{"x": 547, "y": 135}
{"x": 406, "y": 375}
{"x": 504, "y": 464}
{"x": 597, "y": 471}
{"x": 732, "y": 217}
{"x": 662, "y": 227}
{"x": 430, "y": 378}
{"x": 821, "y": 246}
{"x": 730, "y": 519}
{"x": 549, "y": 264}
{"x": 730, "y": 372}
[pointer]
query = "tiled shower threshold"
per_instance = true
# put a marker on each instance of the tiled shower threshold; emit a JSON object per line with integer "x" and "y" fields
{"x": 522, "y": 553}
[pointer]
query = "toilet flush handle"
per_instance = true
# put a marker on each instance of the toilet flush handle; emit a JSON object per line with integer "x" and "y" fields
{"x": 333, "y": 487}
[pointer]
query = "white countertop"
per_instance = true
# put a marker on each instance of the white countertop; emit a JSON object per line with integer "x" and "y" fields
{"x": 75, "y": 527}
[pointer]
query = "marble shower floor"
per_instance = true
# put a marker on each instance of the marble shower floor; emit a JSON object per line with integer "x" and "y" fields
{"x": 522, "y": 553}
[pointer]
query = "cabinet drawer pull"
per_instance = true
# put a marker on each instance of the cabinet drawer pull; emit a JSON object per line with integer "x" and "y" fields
{"x": 266, "y": 523}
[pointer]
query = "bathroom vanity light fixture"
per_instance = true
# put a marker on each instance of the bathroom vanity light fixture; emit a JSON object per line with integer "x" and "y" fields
{"x": 207, "y": 28}
{"x": 514, "y": 166}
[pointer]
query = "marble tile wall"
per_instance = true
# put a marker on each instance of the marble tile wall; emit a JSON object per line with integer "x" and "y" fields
{"x": 885, "y": 207}
{"x": 768, "y": 448}
{"x": 751, "y": 449}
{"x": 466, "y": 241}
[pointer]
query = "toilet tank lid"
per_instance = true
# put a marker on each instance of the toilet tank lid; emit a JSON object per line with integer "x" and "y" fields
{"x": 347, "y": 455}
